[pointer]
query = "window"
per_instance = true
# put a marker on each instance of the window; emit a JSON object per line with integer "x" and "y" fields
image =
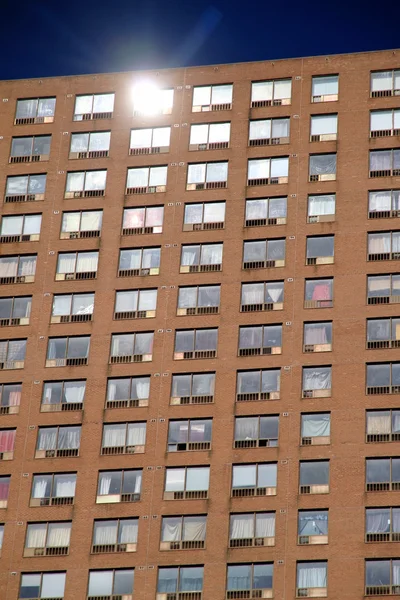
{"x": 17, "y": 269}
{"x": 12, "y": 354}
{"x": 322, "y": 167}
{"x": 200, "y": 258}
{"x": 53, "y": 489}
{"x": 383, "y": 289}
{"x": 152, "y": 101}
{"x": 15, "y": 310}
{"x": 58, "y": 441}
{"x": 267, "y": 295}
{"x": 207, "y": 215}
{"x": 139, "y": 262}
{"x": 209, "y": 136}
{"x": 34, "y": 111}
{"x": 77, "y": 265}
{"x": 25, "y": 188}
{"x": 382, "y": 474}
{"x": 382, "y": 524}
{"x": 320, "y": 250}
{"x": 264, "y": 171}
{"x": 315, "y": 429}
{"x": 255, "y": 580}
{"x": 129, "y": 392}
{"x": 135, "y": 304}
{"x": 68, "y": 351}
{"x": 95, "y": 144}
{"x": 196, "y": 343}
{"x": 193, "y": 388}
{"x": 212, "y": 97}
{"x": 183, "y": 532}
{"x": 317, "y": 382}
{"x": 317, "y": 336}
{"x": 207, "y": 176}
{"x": 154, "y": 140}
{"x": 94, "y": 106}
{"x": 321, "y": 208}
{"x": 312, "y": 579}
{"x": 7, "y": 443}
{"x": 256, "y": 432}
{"x": 119, "y": 486}
{"x": 383, "y": 204}
{"x": 266, "y": 211}
{"x": 198, "y": 300}
{"x": 323, "y": 128}
{"x": 385, "y": 83}
{"x": 82, "y": 224}
{"x": 265, "y": 132}
{"x": 382, "y": 576}
{"x": 258, "y": 385}
{"x": 186, "y": 483}
{"x": 47, "y": 539}
{"x": 318, "y": 293}
{"x": 384, "y": 123}
{"x": 10, "y": 398}
{"x": 383, "y": 425}
{"x": 254, "y": 479}
{"x": 71, "y": 308}
{"x": 188, "y": 581}
{"x": 262, "y": 339}
{"x": 314, "y": 477}
{"x": 5, "y": 481}
{"x": 114, "y": 582}
{"x": 383, "y": 333}
{"x": 325, "y": 88}
{"x": 42, "y": 585}
{"x": 275, "y": 92}
{"x": 146, "y": 180}
{"x": 123, "y": 438}
{"x": 384, "y": 163}
{"x": 252, "y": 529}
{"x": 384, "y": 245}
{"x": 30, "y": 149}
{"x": 383, "y": 378}
{"x": 63, "y": 395}
{"x": 85, "y": 184}
{"x": 131, "y": 347}
{"x": 193, "y": 434}
{"x": 262, "y": 254}
{"x": 143, "y": 220}
{"x": 20, "y": 228}
{"x": 313, "y": 527}
{"x": 119, "y": 535}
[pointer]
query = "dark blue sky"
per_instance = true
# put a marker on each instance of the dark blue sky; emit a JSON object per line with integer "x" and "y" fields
{"x": 65, "y": 37}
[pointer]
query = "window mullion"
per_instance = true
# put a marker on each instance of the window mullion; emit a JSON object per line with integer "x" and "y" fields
{"x": 134, "y": 342}
{"x": 197, "y": 296}
{"x": 191, "y": 385}
{"x": 184, "y": 489}
{"x": 141, "y": 257}
{"x": 46, "y": 536}
{"x": 390, "y": 463}
{"x": 208, "y": 134}
{"x": 57, "y": 436}
{"x": 148, "y": 176}
{"x": 32, "y": 144}
{"x": 84, "y": 180}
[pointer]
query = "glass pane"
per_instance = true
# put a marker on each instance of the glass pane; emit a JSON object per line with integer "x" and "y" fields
{"x": 239, "y": 577}
{"x": 258, "y": 168}
{"x": 279, "y": 167}
{"x": 17, "y": 185}
{"x": 378, "y": 470}
{"x": 325, "y": 86}
{"x": 214, "y": 212}
{"x": 199, "y": 134}
{"x": 323, "y": 124}
{"x": 197, "y": 479}
{"x": 320, "y": 246}
{"x": 382, "y": 80}
{"x": 377, "y": 572}
{"x": 100, "y": 583}
{"x": 261, "y": 90}
{"x": 103, "y": 103}
{"x": 203, "y": 384}
{"x": 209, "y": 296}
{"x": 219, "y": 132}
{"x": 21, "y": 146}
{"x": 217, "y": 172}
{"x": 267, "y": 475}
{"x": 313, "y": 522}
{"x": 378, "y": 375}
{"x": 158, "y": 176}
{"x": 260, "y": 129}
{"x": 161, "y": 137}
{"x": 123, "y": 582}
{"x": 196, "y": 173}
{"x": 314, "y": 473}
{"x": 167, "y": 580}
{"x": 99, "y": 141}
{"x": 138, "y": 177}
{"x": 78, "y": 347}
{"x": 95, "y": 180}
{"x": 321, "y": 205}
{"x": 244, "y": 476}
{"x": 323, "y": 164}
{"x": 79, "y": 142}
{"x": 202, "y": 95}
{"x": 83, "y": 105}
{"x": 221, "y": 94}
{"x": 282, "y": 89}
{"x": 187, "y": 297}
{"x": 190, "y": 579}
{"x": 46, "y": 107}
{"x": 30, "y": 586}
{"x": 53, "y": 585}
{"x": 26, "y": 109}
{"x": 381, "y": 120}
{"x": 262, "y": 576}
{"x": 184, "y": 341}
{"x": 175, "y": 480}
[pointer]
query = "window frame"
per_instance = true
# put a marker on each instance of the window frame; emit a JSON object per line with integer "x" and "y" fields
{"x": 32, "y": 157}
{"x": 13, "y": 364}
{"x": 183, "y": 544}
{"x": 81, "y": 233}
{"x": 314, "y": 488}
{"x": 259, "y": 395}
{"x": 12, "y": 320}
{"x": 196, "y": 353}
{"x": 125, "y": 448}
{"x": 198, "y": 309}
{"x": 122, "y": 358}
{"x": 185, "y": 494}
{"x": 84, "y": 193}
{"x": 281, "y": 179}
{"x": 69, "y": 361}
{"x": 57, "y": 452}
{"x": 254, "y": 490}
{"x": 193, "y": 398}
{"x": 117, "y": 546}
{"x": 262, "y": 350}
{"x": 142, "y": 271}
{"x": 147, "y": 189}
{"x": 78, "y": 155}
{"x": 42, "y": 575}
{"x": 51, "y": 500}
{"x": 127, "y": 402}
{"x": 75, "y": 274}
{"x": 6, "y": 409}
{"x": 268, "y": 220}
{"x": 315, "y": 98}
{"x": 145, "y": 229}
{"x": 27, "y": 196}
{"x": 32, "y": 551}
{"x": 385, "y": 92}
{"x": 211, "y": 106}
{"x": 189, "y": 445}
{"x": 59, "y": 406}
{"x": 255, "y": 541}
{"x": 209, "y": 145}
{"x": 201, "y": 267}
{"x": 122, "y": 496}
{"x": 265, "y": 263}
{"x": 91, "y": 116}
{"x": 203, "y": 225}
{"x": 72, "y": 317}
{"x": 256, "y": 442}
{"x": 36, "y": 119}
{"x": 273, "y": 101}
{"x": 152, "y": 149}
{"x": 392, "y": 172}
{"x": 138, "y": 313}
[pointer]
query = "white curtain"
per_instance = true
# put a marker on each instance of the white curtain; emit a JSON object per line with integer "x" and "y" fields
{"x": 378, "y": 423}
{"x": 194, "y": 528}
{"x": 87, "y": 262}
{"x": 138, "y": 177}
{"x": 311, "y": 577}
{"x": 140, "y": 387}
{"x": 315, "y": 425}
{"x": 65, "y": 486}
{"x": 105, "y": 483}
{"x": 316, "y": 334}
{"x": 27, "y": 265}
{"x": 256, "y": 209}
{"x": 253, "y": 293}
{"x": 114, "y": 436}
{"x": 321, "y": 205}
{"x": 316, "y": 379}
{"x": 74, "y": 391}
{"x": 217, "y": 172}
{"x": 47, "y": 439}
{"x": 66, "y": 263}
{"x": 190, "y": 255}
{"x": 260, "y": 129}
{"x": 8, "y": 266}
{"x": 39, "y": 487}
{"x": 379, "y": 243}
{"x": 280, "y": 128}
{"x": 242, "y": 527}
{"x": 380, "y": 160}
{"x": 322, "y": 164}
{"x": 136, "y": 434}
{"x": 211, "y": 254}
{"x": 91, "y": 220}
{"x": 377, "y": 520}
{"x": 58, "y": 535}
{"x": 395, "y": 572}
{"x": 128, "y": 531}
{"x": 69, "y": 438}
{"x": 380, "y": 201}
{"x": 265, "y": 525}
{"x": 36, "y": 536}
{"x": 151, "y": 258}
{"x": 105, "y": 533}
{"x": 246, "y": 428}
{"x": 172, "y": 529}
{"x": 259, "y": 168}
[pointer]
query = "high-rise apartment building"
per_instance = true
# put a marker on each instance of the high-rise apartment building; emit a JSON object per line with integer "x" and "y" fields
{"x": 200, "y": 332}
